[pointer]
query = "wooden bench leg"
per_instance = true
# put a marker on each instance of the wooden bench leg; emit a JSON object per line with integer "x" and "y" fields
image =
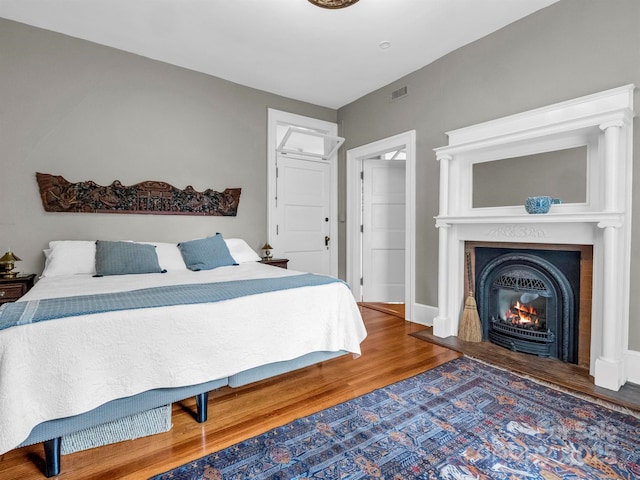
{"x": 52, "y": 447}
{"x": 52, "y": 456}
{"x": 201, "y": 406}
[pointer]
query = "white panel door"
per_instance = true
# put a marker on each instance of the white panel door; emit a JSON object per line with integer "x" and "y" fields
{"x": 383, "y": 233}
{"x": 303, "y": 211}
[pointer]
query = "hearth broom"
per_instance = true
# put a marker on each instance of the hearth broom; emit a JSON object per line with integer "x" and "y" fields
{"x": 470, "y": 328}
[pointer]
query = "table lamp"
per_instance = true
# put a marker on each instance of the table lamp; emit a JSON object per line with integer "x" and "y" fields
{"x": 267, "y": 251}
{"x": 7, "y": 263}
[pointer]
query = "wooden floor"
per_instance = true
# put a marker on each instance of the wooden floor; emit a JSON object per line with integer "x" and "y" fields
{"x": 550, "y": 370}
{"x": 389, "y": 354}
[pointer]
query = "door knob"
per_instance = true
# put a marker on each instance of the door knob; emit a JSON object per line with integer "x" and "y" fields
{"x": 326, "y": 241}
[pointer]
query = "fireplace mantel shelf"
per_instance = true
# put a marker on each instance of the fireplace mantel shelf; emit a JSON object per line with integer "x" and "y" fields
{"x": 579, "y": 217}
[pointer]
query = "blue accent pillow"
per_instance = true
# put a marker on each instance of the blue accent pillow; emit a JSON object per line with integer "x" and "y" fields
{"x": 124, "y": 258}
{"x": 206, "y": 253}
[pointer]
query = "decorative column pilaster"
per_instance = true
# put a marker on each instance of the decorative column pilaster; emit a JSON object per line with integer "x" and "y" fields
{"x": 609, "y": 366}
{"x": 612, "y": 160}
{"x": 445, "y": 162}
{"x": 442, "y": 324}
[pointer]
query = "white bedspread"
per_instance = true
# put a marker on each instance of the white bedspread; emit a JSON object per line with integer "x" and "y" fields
{"x": 58, "y": 368}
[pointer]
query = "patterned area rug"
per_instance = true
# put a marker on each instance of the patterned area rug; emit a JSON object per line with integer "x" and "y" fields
{"x": 461, "y": 421}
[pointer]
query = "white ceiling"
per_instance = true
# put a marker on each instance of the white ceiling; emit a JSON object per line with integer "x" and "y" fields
{"x": 287, "y": 47}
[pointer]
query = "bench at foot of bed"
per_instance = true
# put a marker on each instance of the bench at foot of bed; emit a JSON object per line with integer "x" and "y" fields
{"x": 53, "y": 447}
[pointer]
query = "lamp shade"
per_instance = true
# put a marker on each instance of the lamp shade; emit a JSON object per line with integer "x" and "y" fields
{"x": 266, "y": 246}
{"x": 9, "y": 257}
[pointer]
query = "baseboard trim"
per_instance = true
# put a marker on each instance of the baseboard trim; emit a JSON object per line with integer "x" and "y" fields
{"x": 424, "y": 314}
{"x": 632, "y": 366}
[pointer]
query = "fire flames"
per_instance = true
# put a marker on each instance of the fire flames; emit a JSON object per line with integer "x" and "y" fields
{"x": 520, "y": 314}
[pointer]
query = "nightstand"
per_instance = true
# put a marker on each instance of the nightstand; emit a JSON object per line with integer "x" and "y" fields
{"x": 276, "y": 262}
{"x": 11, "y": 289}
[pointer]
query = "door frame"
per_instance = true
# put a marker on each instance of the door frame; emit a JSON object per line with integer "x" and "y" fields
{"x": 278, "y": 117}
{"x": 355, "y": 157}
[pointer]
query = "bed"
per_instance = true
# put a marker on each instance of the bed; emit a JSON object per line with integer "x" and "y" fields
{"x": 84, "y": 368}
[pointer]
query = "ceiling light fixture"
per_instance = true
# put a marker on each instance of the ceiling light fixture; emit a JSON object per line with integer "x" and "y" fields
{"x": 333, "y": 3}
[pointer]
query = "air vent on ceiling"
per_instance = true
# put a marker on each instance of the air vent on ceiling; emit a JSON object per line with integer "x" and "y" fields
{"x": 399, "y": 93}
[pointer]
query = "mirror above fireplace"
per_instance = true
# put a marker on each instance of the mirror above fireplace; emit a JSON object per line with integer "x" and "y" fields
{"x": 507, "y": 182}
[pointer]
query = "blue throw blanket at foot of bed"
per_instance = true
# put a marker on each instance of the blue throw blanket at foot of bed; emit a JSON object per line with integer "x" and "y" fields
{"x": 32, "y": 311}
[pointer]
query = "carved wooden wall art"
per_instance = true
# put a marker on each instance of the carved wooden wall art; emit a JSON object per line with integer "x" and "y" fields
{"x": 151, "y": 197}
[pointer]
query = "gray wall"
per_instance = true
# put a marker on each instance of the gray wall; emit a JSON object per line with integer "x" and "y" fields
{"x": 88, "y": 112}
{"x": 570, "y": 49}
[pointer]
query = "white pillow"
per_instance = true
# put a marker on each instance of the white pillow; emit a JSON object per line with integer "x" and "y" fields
{"x": 70, "y": 257}
{"x": 241, "y": 251}
{"x": 169, "y": 256}
{"x": 78, "y": 257}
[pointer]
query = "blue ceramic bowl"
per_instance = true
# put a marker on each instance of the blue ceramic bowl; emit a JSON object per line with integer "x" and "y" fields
{"x": 540, "y": 204}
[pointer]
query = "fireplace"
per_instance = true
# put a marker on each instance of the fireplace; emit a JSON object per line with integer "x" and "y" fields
{"x": 527, "y": 300}
{"x": 601, "y": 125}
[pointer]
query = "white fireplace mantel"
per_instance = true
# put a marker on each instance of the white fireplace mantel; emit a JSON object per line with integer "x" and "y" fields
{"x": 603, "y": 123}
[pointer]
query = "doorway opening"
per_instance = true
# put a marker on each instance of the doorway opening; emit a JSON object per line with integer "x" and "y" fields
{"x": 383, "y": 227}
{"x": 381, "y": 221}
